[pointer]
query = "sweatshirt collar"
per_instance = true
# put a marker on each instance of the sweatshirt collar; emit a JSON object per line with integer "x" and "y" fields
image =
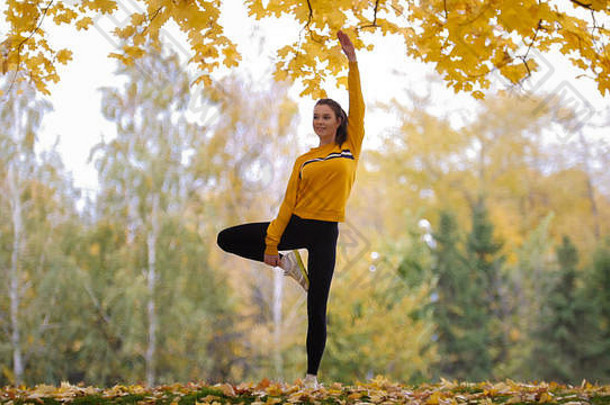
{"x": 318, "y": 148}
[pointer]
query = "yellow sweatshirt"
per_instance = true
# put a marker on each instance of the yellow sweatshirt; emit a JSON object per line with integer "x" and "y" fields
{"x": 322, "y": 178}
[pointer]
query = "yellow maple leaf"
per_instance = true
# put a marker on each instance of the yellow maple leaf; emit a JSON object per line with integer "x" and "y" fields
{"x": 479, "y": 95}
{"x": 65, "y": 17}
{"x": 84, "y": 23}
{"x": 138, "y": 18}
{"x": 64, "y": 56}
{"x": 105, "y": 6}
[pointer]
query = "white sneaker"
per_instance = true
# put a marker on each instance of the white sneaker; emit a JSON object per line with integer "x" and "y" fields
{"x": 293, "y": 266}
{"x": 311, "y": 381}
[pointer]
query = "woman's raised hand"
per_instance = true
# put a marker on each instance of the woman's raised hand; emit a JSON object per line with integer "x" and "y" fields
{"x": 347, "y": 46}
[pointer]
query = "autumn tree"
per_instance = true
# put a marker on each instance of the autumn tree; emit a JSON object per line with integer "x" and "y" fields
{"x": 40, "y": 303}
{"x": 51, "y": 300}
{"x": 169, "y": 293}
{"x": 466, "y": 41}
{"x": 21, "y": 117}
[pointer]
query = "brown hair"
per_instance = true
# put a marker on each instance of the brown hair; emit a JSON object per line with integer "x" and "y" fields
{"x": 339, "y": 113}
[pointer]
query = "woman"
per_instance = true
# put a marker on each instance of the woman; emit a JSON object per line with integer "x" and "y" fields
{"x": 314, "y": 203}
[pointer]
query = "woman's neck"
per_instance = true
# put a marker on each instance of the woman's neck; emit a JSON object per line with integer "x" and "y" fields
{"x": 326, "y": 141}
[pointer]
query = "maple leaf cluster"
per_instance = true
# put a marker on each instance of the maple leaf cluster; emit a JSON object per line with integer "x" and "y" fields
{"x": 379, "y": 390}
{"x": 466, "y": 40}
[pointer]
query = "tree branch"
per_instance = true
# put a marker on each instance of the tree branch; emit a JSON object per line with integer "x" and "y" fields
{"x": 374, "y": 23}
{"x": 581, "y": 4}
{"x": 150, "y": 20}
{"x": 310, "y": 17}
{"x": 538, "y": 28}
{"x": 524, "y": 57}
{"x": 309, "y": 20}
{"x": 44, "y": 13}
{"x": 593, "y": 29}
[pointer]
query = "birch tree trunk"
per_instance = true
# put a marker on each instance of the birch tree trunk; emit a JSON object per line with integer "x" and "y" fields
{"x": 153, "y": 235}
{"x": 278, "y": 289}
{"x": 14, "y": 275}
{"x": 586, "y": 158}
{"x": 15, "y": 271}
{"x": 132, "y": 215}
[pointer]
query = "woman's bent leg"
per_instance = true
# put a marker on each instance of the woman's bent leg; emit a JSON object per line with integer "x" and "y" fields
{"x": 247, "y": 240}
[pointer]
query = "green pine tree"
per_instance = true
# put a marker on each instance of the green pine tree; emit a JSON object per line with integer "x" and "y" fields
{"x": 555, "y": 353}
{"x": 488, "y": 336}
{"x": 452, "y": 280}
{"x": 594, "y": 364}
{"x": 461, "y": 313}
{"x": 532, "y": 265}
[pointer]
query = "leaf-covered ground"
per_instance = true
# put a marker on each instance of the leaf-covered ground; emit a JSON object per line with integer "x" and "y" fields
{"x": 376, "y": 391}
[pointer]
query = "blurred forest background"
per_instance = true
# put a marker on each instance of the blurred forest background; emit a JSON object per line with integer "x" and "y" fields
{"x": 472, "y": 251}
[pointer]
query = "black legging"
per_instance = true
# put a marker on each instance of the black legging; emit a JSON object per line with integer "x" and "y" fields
{"x": 320, "y": 240}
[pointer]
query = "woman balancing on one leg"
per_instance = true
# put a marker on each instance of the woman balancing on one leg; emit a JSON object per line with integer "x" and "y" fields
{"x": 314, "y": 203}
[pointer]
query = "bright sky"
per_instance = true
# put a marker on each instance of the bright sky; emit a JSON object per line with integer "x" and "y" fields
{"x": 386, "y": 73}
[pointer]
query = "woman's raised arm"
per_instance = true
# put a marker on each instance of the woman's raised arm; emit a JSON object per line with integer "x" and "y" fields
{"x": 355, "y": 121}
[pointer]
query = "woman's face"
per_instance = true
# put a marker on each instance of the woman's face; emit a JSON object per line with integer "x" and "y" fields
{"x": 325, "y": 122}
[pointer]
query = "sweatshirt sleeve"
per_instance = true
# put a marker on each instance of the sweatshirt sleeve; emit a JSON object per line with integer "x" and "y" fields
{"x": 355, "y": 119}
{"x": 278, "y": 225}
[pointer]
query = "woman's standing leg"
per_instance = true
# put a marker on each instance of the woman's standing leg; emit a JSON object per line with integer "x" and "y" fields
{"x": 320, "y": 265}
{"x": 320, "y": 239}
